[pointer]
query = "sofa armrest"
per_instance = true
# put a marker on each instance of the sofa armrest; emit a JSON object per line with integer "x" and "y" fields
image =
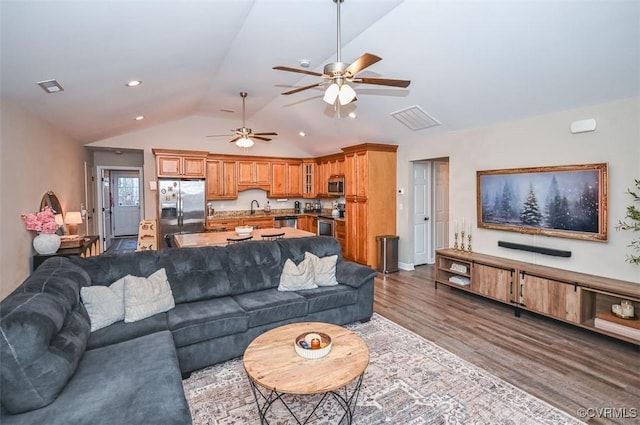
{"x": 353, "y": 274}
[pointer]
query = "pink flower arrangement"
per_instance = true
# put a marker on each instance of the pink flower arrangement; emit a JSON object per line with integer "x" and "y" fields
{"x": 44, "y": 221}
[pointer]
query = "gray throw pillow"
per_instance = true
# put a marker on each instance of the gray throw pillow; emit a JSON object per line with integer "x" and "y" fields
{"x": 146, "y": 296}
{"x": 324, "y": 269}
{"x": 296, "y": 278}
{"x": 105, "y": 304}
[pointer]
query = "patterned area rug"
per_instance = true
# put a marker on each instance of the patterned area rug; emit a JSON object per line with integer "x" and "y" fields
{"x": 409, "y": 381}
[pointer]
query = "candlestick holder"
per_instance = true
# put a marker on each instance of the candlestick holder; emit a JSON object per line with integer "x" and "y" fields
{"x": 455, "y": 241}
{"x": 469, "y": 242}
{"x": 462, "y": 241}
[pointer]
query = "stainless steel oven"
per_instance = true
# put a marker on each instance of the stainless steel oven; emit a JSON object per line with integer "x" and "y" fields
{"x": 326, "y": 226}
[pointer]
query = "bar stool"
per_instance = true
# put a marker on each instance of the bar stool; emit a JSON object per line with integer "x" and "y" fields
{"x": 231, "y": 241}
{"x": 272, "y": 236}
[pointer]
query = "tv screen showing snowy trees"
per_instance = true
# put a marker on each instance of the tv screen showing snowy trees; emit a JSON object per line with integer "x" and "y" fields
{"x": 568, "y": 201}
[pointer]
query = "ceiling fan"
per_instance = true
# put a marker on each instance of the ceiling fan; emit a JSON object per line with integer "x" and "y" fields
{"x": 337, "y": 74}
{"x": 244, "y": 136}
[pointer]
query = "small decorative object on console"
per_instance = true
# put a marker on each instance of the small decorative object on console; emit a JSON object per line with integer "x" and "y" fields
{"x": 313, "y": 345}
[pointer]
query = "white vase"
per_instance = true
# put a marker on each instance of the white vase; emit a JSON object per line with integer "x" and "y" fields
{"x": 46, "y": 243}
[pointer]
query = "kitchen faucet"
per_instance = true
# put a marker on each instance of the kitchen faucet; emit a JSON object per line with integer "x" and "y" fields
{"x": 257, "y": 205}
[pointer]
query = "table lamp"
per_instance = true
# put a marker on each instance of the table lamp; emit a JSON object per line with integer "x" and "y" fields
{"x": 72, "y": 219}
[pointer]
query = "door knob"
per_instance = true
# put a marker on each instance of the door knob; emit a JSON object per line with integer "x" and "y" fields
{"x": 426, "y": 219}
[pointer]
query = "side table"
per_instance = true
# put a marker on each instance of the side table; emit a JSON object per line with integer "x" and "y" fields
{"x": 90, "y": 246}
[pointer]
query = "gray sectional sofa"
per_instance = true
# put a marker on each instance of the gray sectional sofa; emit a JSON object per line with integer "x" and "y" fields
{"x": 53, "y": 370}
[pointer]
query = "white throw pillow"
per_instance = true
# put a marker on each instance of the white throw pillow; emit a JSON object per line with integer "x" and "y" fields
{"x": 105, "y": 304}
{"x": 296, "y": 278}
{"x": 324, "y": 269}
{"x": 144, "y": 297}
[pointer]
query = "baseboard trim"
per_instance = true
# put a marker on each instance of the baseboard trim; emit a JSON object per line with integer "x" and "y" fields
{"x": 406, "y": 266}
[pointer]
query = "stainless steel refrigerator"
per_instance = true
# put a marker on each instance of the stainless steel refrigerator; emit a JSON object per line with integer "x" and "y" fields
{"x": 181, "y": 207}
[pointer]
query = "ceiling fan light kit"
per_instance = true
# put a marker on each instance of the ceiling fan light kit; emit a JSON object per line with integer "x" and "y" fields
{"x": 337, "y": 74}
{"x": 244, "y": 136}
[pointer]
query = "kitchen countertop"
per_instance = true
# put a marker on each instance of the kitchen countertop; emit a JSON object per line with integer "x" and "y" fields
{"x": 220, "y": 238}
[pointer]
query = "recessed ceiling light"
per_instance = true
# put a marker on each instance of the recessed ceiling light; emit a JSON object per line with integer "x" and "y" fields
{"x": 50, "y": 86}
{"x": 353, "y": 115}
{"x": 305, "y": 63}
{"x": 133, "y": 83}
{"x": 302, "y": 134}
{"x": 139, "y": 118}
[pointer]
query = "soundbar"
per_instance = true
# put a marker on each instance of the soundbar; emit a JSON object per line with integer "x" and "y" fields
{"x": 536, "y": 249}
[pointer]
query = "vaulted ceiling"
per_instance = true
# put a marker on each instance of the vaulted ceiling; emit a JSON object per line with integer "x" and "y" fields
{"x": 471, "y": 63}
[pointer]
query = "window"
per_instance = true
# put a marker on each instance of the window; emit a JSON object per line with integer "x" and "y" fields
{"x": 128, "y": 191}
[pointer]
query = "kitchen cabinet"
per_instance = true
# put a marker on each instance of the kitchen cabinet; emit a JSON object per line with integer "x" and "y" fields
{"x": 254, "y": 175}
{"x": 370, "y": 199}
{"x": 309, "y": 181}
{"x": 572, "y": 297}
{"x": 341, "y": 233}
{"x": 326, "y": 167}
{"x": 259, "y": 222}
{"x": 286, "y": 179}
{"x": 174, "y": 163}
{"x": 223, "y": 224}
{"x": 222, "y": 179}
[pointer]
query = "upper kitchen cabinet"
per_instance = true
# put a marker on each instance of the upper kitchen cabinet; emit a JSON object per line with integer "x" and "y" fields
{"x": 327, "y": 166}
{"x": 177, "y": 163}
{"x": 286, "y": 179}
{"x": 254, "y": 174}
{"x": 222, "y": 179}
{"x": 309, "y": 182}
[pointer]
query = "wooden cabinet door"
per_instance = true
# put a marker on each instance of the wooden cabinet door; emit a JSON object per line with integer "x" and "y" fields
{"x": 214, "y": 179}
{"x": 554, "y": 298}
{"x": 303, "y": 222}
{"x": 193, "y": 167}
{"x": 229, "y": 179}
{"x": 168, "y": 166}
{"x": 259, "y": 222}
{"x": 357, "y": 239}
{"x": 361, "y": 173}
{"x": 493, "y": 282}
{"x": 294, "y": 179}
{"x": 341, "y": 233}
{"x": 278, "y": 179}
{"x": 262, "y": 174}
{"x": 245, "y": 172}
{"x": 309, "y": 180}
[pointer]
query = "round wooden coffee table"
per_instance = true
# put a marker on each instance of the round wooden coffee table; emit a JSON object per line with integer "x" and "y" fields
{"x": 275, "y": 369}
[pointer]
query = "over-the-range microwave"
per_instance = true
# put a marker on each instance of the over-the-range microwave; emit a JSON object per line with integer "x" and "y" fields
{"x": 335, "y": 186}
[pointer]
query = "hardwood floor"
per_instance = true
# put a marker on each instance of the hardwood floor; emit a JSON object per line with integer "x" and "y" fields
{"x": 570, "y": 368}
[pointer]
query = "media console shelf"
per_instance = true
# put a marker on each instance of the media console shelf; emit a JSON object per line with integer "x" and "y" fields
{"x": 581, "y": 299}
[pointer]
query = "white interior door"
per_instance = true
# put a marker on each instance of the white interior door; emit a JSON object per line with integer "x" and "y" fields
{"x": 126, "y": 202}
{"x": 107, "y": 225}
{"x": 421, "y": 213}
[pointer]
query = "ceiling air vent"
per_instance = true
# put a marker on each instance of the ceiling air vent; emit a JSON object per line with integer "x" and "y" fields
{"x": 415, "y": 118}
{"x": 50, "y": 86}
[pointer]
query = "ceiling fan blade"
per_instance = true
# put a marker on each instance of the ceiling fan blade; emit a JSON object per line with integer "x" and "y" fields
{"x": 265, "y": 139}
{"x": 361, "y": 63}
{"x": 265, "y": 134}
{"x": 299, "y": 71}
{"x": 235, "y": 139}
{"x": 310, "y": 86}
{"x": 382, "y": 82}
{"x": 220, "y": 135}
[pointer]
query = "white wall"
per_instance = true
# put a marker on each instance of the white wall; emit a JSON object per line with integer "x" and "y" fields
{"x": 533, "y": 142}
{"x": 34, "y": 158}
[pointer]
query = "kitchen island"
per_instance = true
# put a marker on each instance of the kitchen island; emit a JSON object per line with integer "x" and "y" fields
{"x": 220, "y": 238}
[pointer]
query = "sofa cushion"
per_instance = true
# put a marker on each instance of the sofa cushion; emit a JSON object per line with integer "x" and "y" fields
{"x": 196, "y": 273}
{"x": 44, "y": 331}
{"x": 271, "y": 305}
{"x": 297, "y": 277}
{"x": 324, "y": 298}
{"x": 134, "y": 382}
{"x": 121, "y": 331}
{"x": 146, "y": 296}
{"x": 105, "y": 304}
{"x": 203, "y": 320}
{"x": 107, "y": 268}
{"x": 254, "y": 266}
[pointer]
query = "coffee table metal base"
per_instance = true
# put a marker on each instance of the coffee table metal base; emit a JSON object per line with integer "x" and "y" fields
{"x": 344, "y": 397}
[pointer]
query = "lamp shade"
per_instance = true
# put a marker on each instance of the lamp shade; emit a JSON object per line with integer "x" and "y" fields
{"x": 244, "y": 142}
{"x": 331, "y": 93}
{"x": 347, "y": 94}
{"x": 73, "y": 217}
